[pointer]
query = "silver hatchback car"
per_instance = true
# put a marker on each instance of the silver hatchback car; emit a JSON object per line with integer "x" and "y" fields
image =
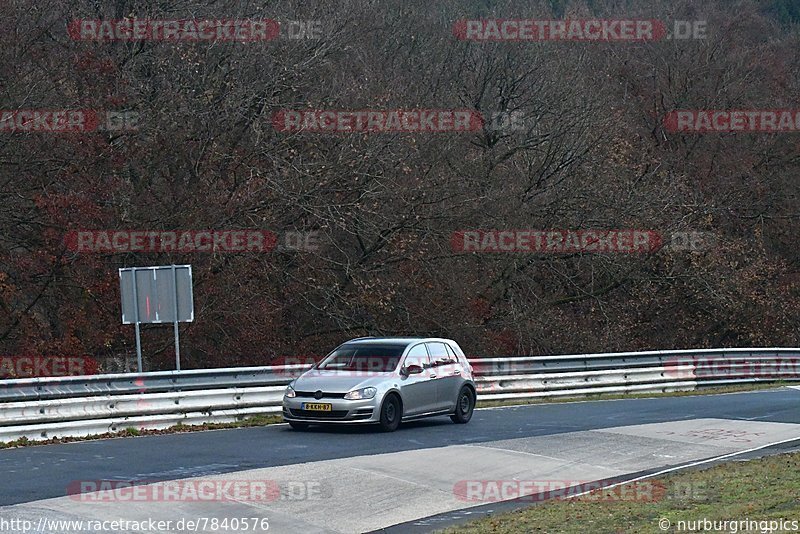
{"x": 383, "y": 381}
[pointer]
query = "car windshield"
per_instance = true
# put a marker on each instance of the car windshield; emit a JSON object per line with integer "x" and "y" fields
{"x": 363, "y": 357}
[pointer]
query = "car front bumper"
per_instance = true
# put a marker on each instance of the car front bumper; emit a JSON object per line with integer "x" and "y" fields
{"x": 342, "y": 411}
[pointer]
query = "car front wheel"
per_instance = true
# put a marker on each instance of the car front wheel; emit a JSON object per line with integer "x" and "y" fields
{"x": 391, "y": 413}
{"x": 464, "y": 406}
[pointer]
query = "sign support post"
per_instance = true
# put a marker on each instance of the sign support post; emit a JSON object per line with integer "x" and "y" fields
{"x": 175, "y": 324}
{"x": 136, "y": 322}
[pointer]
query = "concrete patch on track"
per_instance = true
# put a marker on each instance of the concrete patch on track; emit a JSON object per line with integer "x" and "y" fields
{"x": 364, "y": 493}
{"x": 725, "y": 434}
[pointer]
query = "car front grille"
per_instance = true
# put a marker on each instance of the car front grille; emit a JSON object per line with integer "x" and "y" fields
{"x": 325, "y": 395}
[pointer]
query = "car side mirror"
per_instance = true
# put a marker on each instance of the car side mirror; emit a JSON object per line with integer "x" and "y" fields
{"x": 412, "y": 370}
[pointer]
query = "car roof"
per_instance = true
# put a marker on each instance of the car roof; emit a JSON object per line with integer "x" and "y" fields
{"x": 393, "y": 340}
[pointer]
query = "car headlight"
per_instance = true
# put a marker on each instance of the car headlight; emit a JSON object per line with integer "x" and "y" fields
{"x": 289, "y": 392}
{"x": 363, "y": 393}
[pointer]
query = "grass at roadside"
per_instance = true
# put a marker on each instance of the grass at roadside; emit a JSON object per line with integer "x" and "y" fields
{"x": 765, "y": 489}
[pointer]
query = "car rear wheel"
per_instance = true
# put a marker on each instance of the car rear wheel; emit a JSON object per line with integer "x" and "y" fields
{"x": 391, "y": 413}
{"x": 464, "y": 406}
{"x": 298, "y": 426}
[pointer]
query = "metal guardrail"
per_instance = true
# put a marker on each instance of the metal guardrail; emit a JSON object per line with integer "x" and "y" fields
{"x": 43, "y": 408}
{"x": 28, "y": 389}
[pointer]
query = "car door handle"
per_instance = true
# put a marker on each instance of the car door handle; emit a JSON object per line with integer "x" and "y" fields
{"x": 433, "y": 376}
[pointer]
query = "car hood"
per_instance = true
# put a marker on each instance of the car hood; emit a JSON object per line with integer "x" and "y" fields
{"x": 337, "y": 381}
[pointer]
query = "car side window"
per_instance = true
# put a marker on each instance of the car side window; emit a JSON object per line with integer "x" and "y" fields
{"x": 451, "y": 353}
{"x": 439, "y": 354}
{"x": 418, "y": 356}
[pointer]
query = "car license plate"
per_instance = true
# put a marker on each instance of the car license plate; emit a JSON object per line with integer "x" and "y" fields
{"x": 317, "y": 406}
